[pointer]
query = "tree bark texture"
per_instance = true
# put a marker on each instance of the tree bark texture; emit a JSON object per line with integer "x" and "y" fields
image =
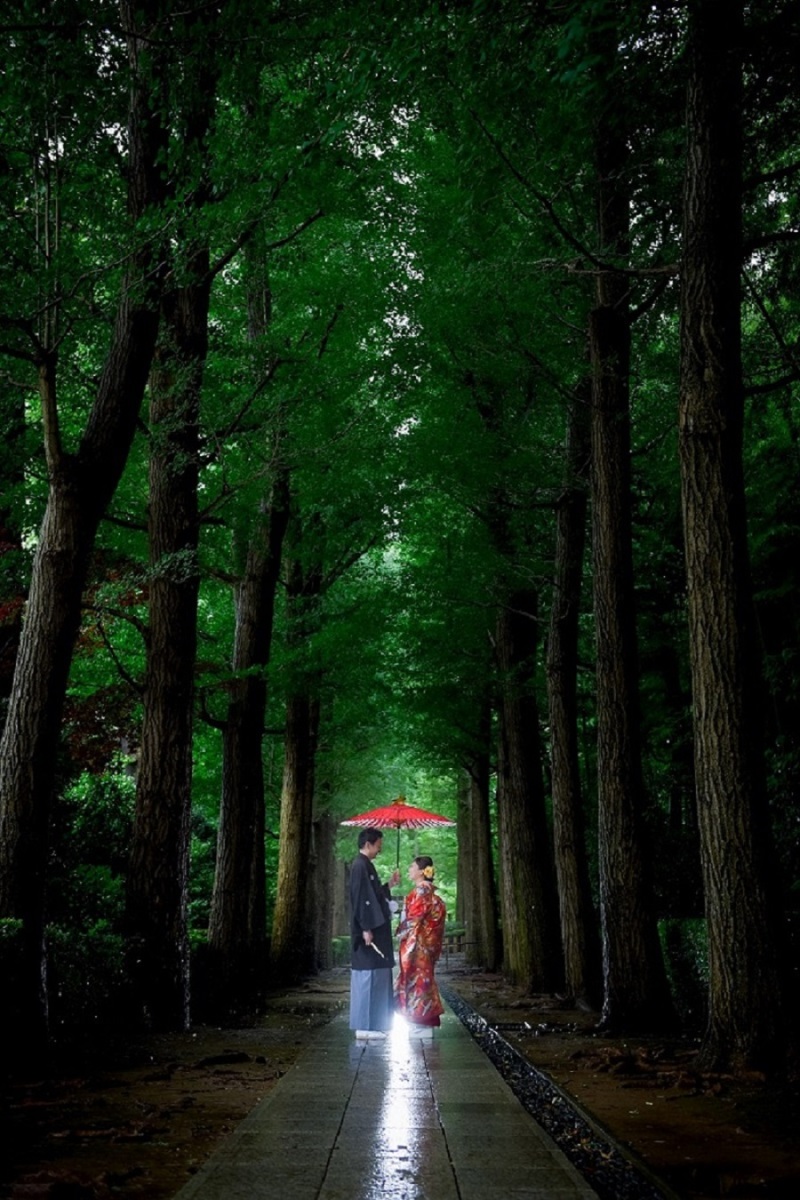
{"x": 579, "y": 930}
{"x": 636, "y": 993}
{"x": 237, "y": 932}
{"x": 156, "y": 900}
{"x": 80, "y": 487}
{"x": 465, "y": 870}
{"x": 746, "y": 1014}
{"x": 157, "y": 881}
{"x": 487, "y": 951}
{"x": 483, "y": 937}
{"x": 12, "y": 596}
{"x": 292, "y": 946}
{"x": 237, "y": 926}
{"x": 321, "y": 872}
{"x": 531, "y": 953}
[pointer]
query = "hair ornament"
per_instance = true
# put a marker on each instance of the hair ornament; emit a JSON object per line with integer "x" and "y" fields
{"x": 428, "y": 872}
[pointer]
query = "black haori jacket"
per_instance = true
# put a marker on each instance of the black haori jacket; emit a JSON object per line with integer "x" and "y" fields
{"x": 369, "y": 909}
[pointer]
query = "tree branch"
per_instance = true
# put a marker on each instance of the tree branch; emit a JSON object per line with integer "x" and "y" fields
{"x": 125, "y": 522}
{"x": 236, "y": 421}
{"x": 787, "y": 353}
{"x": 771, "y": 239}
{"x": 121, "y": 669}
{"x": 206, "y": 716}
{"x": 248, "y": 232}
{"x": 323, "y": 346}
{"x": 762, "y": 389}
{"x": 753, "y": 181}
{"x": 346, "y": 561}
{"x": 24, "y": 355}
{"x": 599, "y": 264}
{"x": 50, "y": 423}
{"x": 649, "y": 301}
{"x": 120, "y": 614}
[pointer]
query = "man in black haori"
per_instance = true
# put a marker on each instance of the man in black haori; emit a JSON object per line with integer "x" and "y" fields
{"x": 371, "y": 950}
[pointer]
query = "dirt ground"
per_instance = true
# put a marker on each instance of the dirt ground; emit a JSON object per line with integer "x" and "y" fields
{"x": 704, "y": 1135}
{"x": 137, "y": 1119}
{"x": 134, "y": 1120}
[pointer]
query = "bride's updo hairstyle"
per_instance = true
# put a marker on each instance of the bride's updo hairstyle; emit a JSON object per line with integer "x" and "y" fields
{"x": 425, "y": 865}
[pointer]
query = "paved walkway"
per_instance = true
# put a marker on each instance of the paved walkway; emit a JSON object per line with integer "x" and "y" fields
{"x": 403, "y": 1118}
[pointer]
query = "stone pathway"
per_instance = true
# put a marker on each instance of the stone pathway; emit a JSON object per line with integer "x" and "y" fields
{"x": 402, "y": 1118}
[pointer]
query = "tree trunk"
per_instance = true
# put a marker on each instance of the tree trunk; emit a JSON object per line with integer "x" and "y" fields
{"x": 237, "y": 932}
{"x": 465, "y": 867}
{"x": 292, "y": 946}
{"x": 579, "y": 932}
{"x": 636, "y": 992}
{"x": 157, "y": 881}
{"x": 530, "y": 921}
{"x": 322, "y": 875}
{"x": 80, "y": 487}
{"x": 746, "y": 1006}
{"x": 487, "y": 950}
{"x": 12, "y": 595}
{"x": 237, "y": 926}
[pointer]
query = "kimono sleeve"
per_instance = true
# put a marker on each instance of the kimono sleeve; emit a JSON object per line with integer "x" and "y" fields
{"x": 365, "y": 898}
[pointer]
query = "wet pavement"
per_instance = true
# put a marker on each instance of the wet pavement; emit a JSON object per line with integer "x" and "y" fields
{"x": 407, "y": 1117}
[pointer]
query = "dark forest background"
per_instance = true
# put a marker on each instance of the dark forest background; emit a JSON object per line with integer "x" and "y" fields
{"x": 400, "y": 399}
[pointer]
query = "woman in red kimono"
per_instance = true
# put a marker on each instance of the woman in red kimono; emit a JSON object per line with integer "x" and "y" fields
{"x": 420, "y": 933}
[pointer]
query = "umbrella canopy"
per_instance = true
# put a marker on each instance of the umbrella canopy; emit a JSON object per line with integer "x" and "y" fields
{"x": 399, "y": 815}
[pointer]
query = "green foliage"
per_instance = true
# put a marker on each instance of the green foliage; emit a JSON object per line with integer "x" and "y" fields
{"x": 201, "y": 876}
{"x": 86, "y": 978}
{"x": 10, "y": 929}
{"x": 685, "y": 946}
{"x": 412, "y": 192}
{"x": 340, "y": 950}
{"x": 91, "y": 838}
{"x": 12, "y": 953}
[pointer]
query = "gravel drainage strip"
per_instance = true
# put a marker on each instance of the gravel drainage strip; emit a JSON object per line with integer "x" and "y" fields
{"x": 612, "y": 1174}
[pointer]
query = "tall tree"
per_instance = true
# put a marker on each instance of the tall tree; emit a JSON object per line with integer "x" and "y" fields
{"x": 237, "y": 933}
{"x": 482, "y": 933}
{"x": 531, "y": 952}
{"x": 636, "y": 993}
{"x": 237, "y": 926}
{"x": 292, "y": 946}
{"x": 80, "y": 485}
{"x": 12, "y": 574}
{"x": 322, "y": 869}
{"x": 579, "y": 934}
{"x": 156, "y": 900}
{"x": 465, "y": 898}
{"x": 746, "y": 1004}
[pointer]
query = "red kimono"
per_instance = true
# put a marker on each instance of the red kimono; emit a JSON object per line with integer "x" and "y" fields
{"x": 421, "y": 932}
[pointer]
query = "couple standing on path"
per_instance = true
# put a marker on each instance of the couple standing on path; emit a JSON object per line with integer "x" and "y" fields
{"x": 421, "y": 930}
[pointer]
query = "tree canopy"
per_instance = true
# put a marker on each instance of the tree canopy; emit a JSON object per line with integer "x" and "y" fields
{"x": 315, "y": 321}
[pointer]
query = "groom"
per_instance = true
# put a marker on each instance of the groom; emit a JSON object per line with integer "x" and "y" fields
{"x": 371, "y": 950}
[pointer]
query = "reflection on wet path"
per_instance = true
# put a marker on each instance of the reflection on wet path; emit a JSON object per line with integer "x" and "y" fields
{"x": 391, "y": 1126}
{"x": 401, "y": 1118}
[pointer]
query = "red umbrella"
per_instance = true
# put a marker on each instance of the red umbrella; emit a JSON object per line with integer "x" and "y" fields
{"x": 399, "y": 815}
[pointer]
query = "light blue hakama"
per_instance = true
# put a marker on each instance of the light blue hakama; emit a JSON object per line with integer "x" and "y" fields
{"x": 371, "y": 999}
